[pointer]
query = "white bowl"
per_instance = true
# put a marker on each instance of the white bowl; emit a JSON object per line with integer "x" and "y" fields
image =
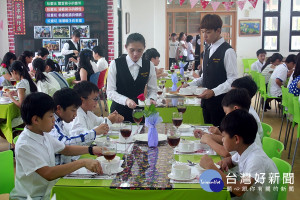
{"x": 199, "y": 91}
{"x": 184, "y": 128}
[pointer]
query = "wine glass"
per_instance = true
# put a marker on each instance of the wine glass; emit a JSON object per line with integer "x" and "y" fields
{"x": 126, "y": 128}
{"x": 13, "y": 82}
{"x": 173, "y": 138}
{"x": 1, "y": 87}
{"x": 137, "y": 115}
{"x": 159, "y": 93}
{"x": 177, "y": 119}
{"x": 172, "y": 69}
{"x": 181, "y": 107}
{"x": 109, "y": 154}
{"x": 190, "y": 67}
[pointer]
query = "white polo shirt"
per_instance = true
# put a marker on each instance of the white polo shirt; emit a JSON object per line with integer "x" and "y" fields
{"x": 34, "y": 151}
{"x": 254, "y": 161}
{"x": 257, "y": 65}
{"x": 280, "y": 73}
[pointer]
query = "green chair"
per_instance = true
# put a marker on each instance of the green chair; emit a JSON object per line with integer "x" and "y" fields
{"x": 251, "y": 61}
{"x": 7, "y": 177}
{"x": 290, "y": 122}
{"x": 296, "y": 119}
{"x": 267, "y": 129}
{"x": 255, "y": 77}
{"x": 15, "y": 139}
{"x": 272, "y": 147}
{"x": 284, "y": 105}
{"x": 247, "y": 68}
{"x": 283, "y": 167}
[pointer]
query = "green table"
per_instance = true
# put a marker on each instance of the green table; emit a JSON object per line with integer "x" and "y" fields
{"x": 146, "y": 173}
{"x": 70, "y": 80}
{"x": 7, "y": 113}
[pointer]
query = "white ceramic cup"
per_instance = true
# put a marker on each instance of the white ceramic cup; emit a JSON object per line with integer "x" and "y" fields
{"x": 114, "y": 165}
{"x": 181, "y": 171}
{"x": 186, "y": 146}
{"x": 201, "y": 146}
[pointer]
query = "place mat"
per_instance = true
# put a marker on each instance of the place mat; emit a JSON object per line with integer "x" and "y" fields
{"x": 84, "y": 173}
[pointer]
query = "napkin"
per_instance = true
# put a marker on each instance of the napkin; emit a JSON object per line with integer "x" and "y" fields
{"x": 181, "y": 65}
{"x": 151, "y": 123}
{"x": 174, "y": 80}
{"x": 113, "y": 171}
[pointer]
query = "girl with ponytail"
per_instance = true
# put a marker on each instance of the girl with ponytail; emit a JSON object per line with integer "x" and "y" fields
{"x": 25, "y": 84}
{"x": 56, "y": 73}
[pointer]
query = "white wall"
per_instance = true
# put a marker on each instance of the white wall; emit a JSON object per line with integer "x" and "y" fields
{"x": 3, "y": 33}
{"x": 148, "y": 18}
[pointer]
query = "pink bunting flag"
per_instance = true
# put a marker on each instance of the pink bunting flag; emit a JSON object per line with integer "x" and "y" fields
{"x": 204, "y": 3}
{"x": 227, "y": 5}
{"x": 253, "y": 3}
{"x": 1, "y": 24}
{"x": 241, "y": 4}
{"x": 193, "y": 3}
{"x": 267, "y": 1}
{"x": 170, "y": 1}
{"x": 181, "y": 2}
{"x": 215, "y": 5}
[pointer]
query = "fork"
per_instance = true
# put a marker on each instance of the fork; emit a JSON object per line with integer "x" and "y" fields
{"x": 191, "y": 163}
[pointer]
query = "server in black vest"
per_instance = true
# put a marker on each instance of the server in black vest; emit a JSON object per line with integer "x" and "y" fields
{"x": 219, "y": 70}
{"x": 71, "y": 49}
{"x": 197, "y": 43}
{"x": 128, "y": 76}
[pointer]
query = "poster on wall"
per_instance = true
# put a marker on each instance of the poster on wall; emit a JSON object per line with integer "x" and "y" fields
{"x": 18, "y": 17}
{"x": 83, "y": 29}
{"x": 62, "y": 42}
{"x": 61, "y": 31}
{"x": 42, "y": 32}
{"x": 249, "y": 28}
{"x": 51, "y": 44}
{"x": 88, "y": 43}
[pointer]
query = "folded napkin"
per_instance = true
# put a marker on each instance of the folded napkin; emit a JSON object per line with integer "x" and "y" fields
{"x": 174, "y": 81}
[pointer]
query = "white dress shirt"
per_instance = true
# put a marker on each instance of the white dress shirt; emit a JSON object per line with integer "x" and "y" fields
{"x": 49, "y": 86}
{"x": 24, "y": 84}
{"x": 280, "y": 73}
{"x": 257, "y": 65}
{"x": 100, "y": 65}
{"x": 255, "y": 161}
{"x": 134, "y": 68}
{"x": 260, "y": 130}
{"x": 34, "y": 151}
{"x": 230, "y": 64}
{"x": 65, "y": 50}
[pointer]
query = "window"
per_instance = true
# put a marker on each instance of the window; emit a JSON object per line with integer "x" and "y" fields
{"x": 271, "y": 25}
{"x": 295, "y": 26}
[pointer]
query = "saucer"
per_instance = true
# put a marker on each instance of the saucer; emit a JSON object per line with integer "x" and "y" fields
{"x": 117, "y": 170}
{"x": 144, "y": 137}
{"x": 179, "y": 150}
{"x": 193, "y": 176}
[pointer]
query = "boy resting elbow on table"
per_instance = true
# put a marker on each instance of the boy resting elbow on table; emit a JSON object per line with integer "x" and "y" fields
{"x": 239, "y": 133}
{"x": 234, "y": 99}
{"x": 36, "y": 172}
{"x": 86, "y": 120}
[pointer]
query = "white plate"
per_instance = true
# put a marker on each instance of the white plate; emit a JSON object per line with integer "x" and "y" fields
{"x": 144, "y": 137}
{"x": 179, "y": 150}
{"x": 193, "y": 176}
{"x": 184, "y": 128}
{"x": 116, "y": 127}
{"x": 102, "y": 159}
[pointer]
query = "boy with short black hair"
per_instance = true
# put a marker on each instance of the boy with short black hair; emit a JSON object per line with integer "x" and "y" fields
{"x": 261, "y": 56}
{"x": 86, "y": 120}
{"x": 153, "y": 56}
{"x": 36, "y": 172}
{"x": 173, "y": 45}
{"x": 239, "y": 130}
{"x": 98, "y": 54}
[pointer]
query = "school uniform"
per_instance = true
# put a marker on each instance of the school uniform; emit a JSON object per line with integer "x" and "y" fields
{"x": 219, "y": 71}
{"x": 280, "y": 73}
{"x": 61, "y": 133}
{"x": 267, "y": 72}
{"x": 60, "y": 79}
{"x": 172, "y": 51}
{"x": 48, "y": 86}
{"x": 293, "y": 89}
{"x": 24, "y": 84}
{"x": 34, "y": 151}
{"x": 100, "y": 65}
{"x": 260, "y": 130}
{"x": 254, "y": 161}
{"x": 190, "y": 48}
{"x": 257, "y": 65}
{"x": 127, "y": 79}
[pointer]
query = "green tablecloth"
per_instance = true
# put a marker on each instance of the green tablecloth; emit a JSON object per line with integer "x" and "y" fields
{"x": 69, "y": 80}
{"x": 8, "y": 112}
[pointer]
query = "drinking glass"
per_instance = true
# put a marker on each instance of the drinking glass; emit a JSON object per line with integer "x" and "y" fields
{"x": 109, "y": 154}
{"x": 137, "y": 115}
{"x": 173, "y": 138}
{"x": 1, "y": 87}
{"x": 126, "y": 128}
{"x": 181, "y": 107}
{"x": 13, "y": 82}
{"x": 172, "y": 69}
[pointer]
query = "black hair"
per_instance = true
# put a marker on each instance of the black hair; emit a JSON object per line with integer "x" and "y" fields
{"x": 23, "y": 56}
{"x": 173, "y": 34}
{"x": 85, "y": 88}
{"x": 86, "y": 56}
{"x": 151, "y": 53}
{"x": 66, "y": 97}
{"x": 135, "y": 37}
{"x": 7, "y": 57}
{"x": 53, "y": 65}
{"x": 189, "y": 38}
{"x": 260, "y": 51}
{"x": 211, "y": 22}
{"x": 297, "y": 68}
{"x": 180, "y": 36}
{"x": 39, "y": 66}
{"x": 43, "y": 52}
{"x": 19, "y": 67}
{"x": 247, "y": 83}
{"x": 273, "y": 58}
{"x": 291, "y": 58}
{"x": 36, "y": 104}
{"x": 237, "y": 97}
{"x": 76, "y": 33}
{"x": 99, "y": 50}
{"x": 241, "y": 123}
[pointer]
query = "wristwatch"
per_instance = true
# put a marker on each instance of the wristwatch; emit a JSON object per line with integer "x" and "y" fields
{"x": 91, "y": 149}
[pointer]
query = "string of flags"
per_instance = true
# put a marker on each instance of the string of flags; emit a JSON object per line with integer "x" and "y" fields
{"x": 226, "y": 3}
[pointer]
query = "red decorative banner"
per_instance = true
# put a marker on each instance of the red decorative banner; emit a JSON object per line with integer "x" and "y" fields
{"x": 253, "y": 3}
{"x": 65, "y": 9}
{"x": 19, "y": 17}
{"x": 215, "y": 5}
{"x": 204, "y": 3}
{"x": 228, "y": 5}
{"x": 181, "y": 2}
{"x": 241, "y": 4}
{"x": 193, "y": 3}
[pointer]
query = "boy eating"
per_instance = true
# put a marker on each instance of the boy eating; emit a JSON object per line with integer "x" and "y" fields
{"x": 261, "y": 56}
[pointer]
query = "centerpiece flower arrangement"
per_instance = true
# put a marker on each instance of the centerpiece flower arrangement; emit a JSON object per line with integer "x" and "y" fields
{"x": 181, "y": 65}
{"x": 152, "y": 118}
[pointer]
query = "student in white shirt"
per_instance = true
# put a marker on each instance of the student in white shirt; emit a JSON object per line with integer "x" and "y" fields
{"x": 182, "y": 49}
{"x": 55, "y": 71}
{"x": 261, "y": 56}
{"x": 43, "y": 53}
{"x": 280, "y": 75}
{"x": 270, "y": 65}
{"x": 25, "y": 84}
{"x": 128, "y": 76}
{"x": 86, "y": 120}
{"x": 173, "y": 45}
{"x": 7, "y": 60}
{"x": 36, "y": 172}
{"x": 153, "y": 56}
{"x": 190, "y": 49}
{"x": 45, "y": 82}
{"x": 98, "y": 55}
{"x": 239, "y": 133}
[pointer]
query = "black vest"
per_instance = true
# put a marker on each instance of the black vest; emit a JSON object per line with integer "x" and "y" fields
{"x": 214, "y": 73}
{"x": 71, "y": 47}
{"x": 197, "y": 49}
{"x": 129, "y": 87}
